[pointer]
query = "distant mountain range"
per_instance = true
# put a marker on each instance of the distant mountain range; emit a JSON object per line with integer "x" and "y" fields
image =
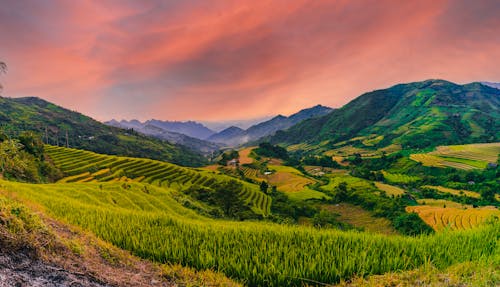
{"x": 58, "y": 125}
{"x": 415, "y": 115}
{"x": 160, "y": 130}
{"x": 490, "y": 84}
{"x": 201, "y": 138}
{"x": 234, "y": 136}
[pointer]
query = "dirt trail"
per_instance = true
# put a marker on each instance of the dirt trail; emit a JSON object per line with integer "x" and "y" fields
{"x": 20, "y": 270}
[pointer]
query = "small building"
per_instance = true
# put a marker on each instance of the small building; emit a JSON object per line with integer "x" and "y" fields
{"x": 492, "y": 165}
{"x": 233, "y": 162}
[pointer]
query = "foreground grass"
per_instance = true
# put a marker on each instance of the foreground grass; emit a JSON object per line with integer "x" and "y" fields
{"x": 257, "y": 254}
{"x": 24, "y": 229}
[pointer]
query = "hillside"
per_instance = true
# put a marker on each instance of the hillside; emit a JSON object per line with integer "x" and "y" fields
{"x": 158, "y": 131}
{"x": 54, "y": 123}
{"x": 190, "y": 128}
{"x": 415, "y": 115}
{"x": 234, "y": 136}
{"x": 171, "y": 233}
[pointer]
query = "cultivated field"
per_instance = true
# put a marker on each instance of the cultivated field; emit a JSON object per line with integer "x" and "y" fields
{"x": 461, "y": 192}
{"x": 390, "y": 189}
{"x": 454, "y": 218}
{"x": 472, "y": 156}
{"x": 146, "y": 220}
{"x": 85, "y": 166}
{"x": 358, "y": 217}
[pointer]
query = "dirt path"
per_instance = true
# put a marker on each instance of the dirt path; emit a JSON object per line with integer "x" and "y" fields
{"x": 18, "y": 269}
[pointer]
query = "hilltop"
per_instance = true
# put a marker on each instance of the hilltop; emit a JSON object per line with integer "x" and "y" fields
{"x": 415, "y": 115}
{"x": 234, "y": 136}
{"x": 57, "y": 125}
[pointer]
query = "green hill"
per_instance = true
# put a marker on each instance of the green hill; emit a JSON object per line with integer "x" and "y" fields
{"x": 414, "y": 115}
{"x": 84, "y": 166}
{"x": 54, "y": 122}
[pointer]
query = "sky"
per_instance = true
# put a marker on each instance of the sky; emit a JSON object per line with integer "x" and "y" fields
{"x": 226, "y": 60}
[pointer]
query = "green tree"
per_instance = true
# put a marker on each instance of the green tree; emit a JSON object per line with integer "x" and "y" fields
{"x": 264, "y": 186}
{"x": 13, "y": 161}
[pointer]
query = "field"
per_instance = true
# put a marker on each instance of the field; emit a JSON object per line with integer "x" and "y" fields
{"x": 454, "y": 218}
{"x": 85, "y": 166}
{"x": 144, "y": 219}
{"x": 472, "y": 156}
{"x": 288, "y": 180}
{"x": 398, "y": 178}
{"x": 442, "y": 203}
{"x": 351, "y": 181}
{"x": 390, "y": 189}
{"x": 358, "y": 217}
{"x": 245, "y": 155}
{"x": 462, "y": 192}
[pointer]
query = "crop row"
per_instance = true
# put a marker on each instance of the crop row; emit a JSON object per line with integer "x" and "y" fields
{"x": 85, "y": 166}
{"x": 147, "y": 221}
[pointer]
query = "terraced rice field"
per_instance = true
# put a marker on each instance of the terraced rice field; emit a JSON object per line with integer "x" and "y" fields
{"x": 454, "y": 218}
{"x": 399, "y": 178}
{"x": 286, "y": 179}
{"x": 472, "y": 156}
{"x": 468, "y": 193}
{"x": 390, "y": 189}
{"x": 442, "y": 203}
{"x": 86, "y": 166}
{"x": 245, "y": 155}
{"x": 351, "y": 181}
{"x": 358, "y": 217}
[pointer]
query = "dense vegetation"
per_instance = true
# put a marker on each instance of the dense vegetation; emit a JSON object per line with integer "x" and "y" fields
{"x": 59, "y": 126}
{"x": 157, "y": 227}
{"x": 415, "y": 115}
{"x": 23, "y": 159}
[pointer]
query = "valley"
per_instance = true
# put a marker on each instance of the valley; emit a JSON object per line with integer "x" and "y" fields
{"x": 338, "y": 206}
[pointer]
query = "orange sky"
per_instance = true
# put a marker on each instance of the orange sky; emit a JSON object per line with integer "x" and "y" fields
{"x": 221, "y": 60}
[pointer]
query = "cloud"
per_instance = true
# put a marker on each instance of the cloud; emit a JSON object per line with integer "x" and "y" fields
{"x": 217, "y": 60}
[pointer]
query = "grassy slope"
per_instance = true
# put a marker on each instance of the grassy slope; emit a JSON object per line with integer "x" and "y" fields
{"x": 79, "y": 256}
{"x": 160, "y": 229}
{"x": 34, "y": 114}
{"x": 471, "y": 156}
{"x": 414, "y": 115}
{"x": 84, "y": 166}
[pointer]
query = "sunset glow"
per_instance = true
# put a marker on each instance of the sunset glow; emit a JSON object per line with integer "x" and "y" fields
{"x": 220, "y": 60}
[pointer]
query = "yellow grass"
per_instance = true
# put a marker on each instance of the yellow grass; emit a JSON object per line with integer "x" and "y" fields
{"x": 442, "y": 203}
{"x": 245, "y": 155}
{"x": 287, "y": 179}
{"x": 454, "y": 191}
{"x": 440, "y": 218}
{"x": 390, "y": 189}
{"x": 471, "y": 156}
{"x": 358, "y": 217}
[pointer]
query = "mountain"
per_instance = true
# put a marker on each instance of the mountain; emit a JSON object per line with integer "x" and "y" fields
{"x": 490, "y": 84}
{"x": 189, "y": 128}
{"x": 83, "y": 132}
{"x": 234, "y": 136}
{"x": 415, "y": 115}
{"x": 231, "y": 136}
{"x": 152, "y": 128}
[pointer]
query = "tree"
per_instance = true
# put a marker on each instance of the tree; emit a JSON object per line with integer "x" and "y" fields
{"x": 11, "y": 159}
{"x": 264, "y": 186}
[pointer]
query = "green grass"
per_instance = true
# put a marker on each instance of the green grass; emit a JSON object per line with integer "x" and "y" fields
{"x": 398, "y": 178}
{"x": 146, "y": 220}
{"x": 471, "y": 156}
{"x": 81, "y": 165}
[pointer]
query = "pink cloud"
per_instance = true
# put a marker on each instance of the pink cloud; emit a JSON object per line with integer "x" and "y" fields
{"x": 222, "y": 60}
